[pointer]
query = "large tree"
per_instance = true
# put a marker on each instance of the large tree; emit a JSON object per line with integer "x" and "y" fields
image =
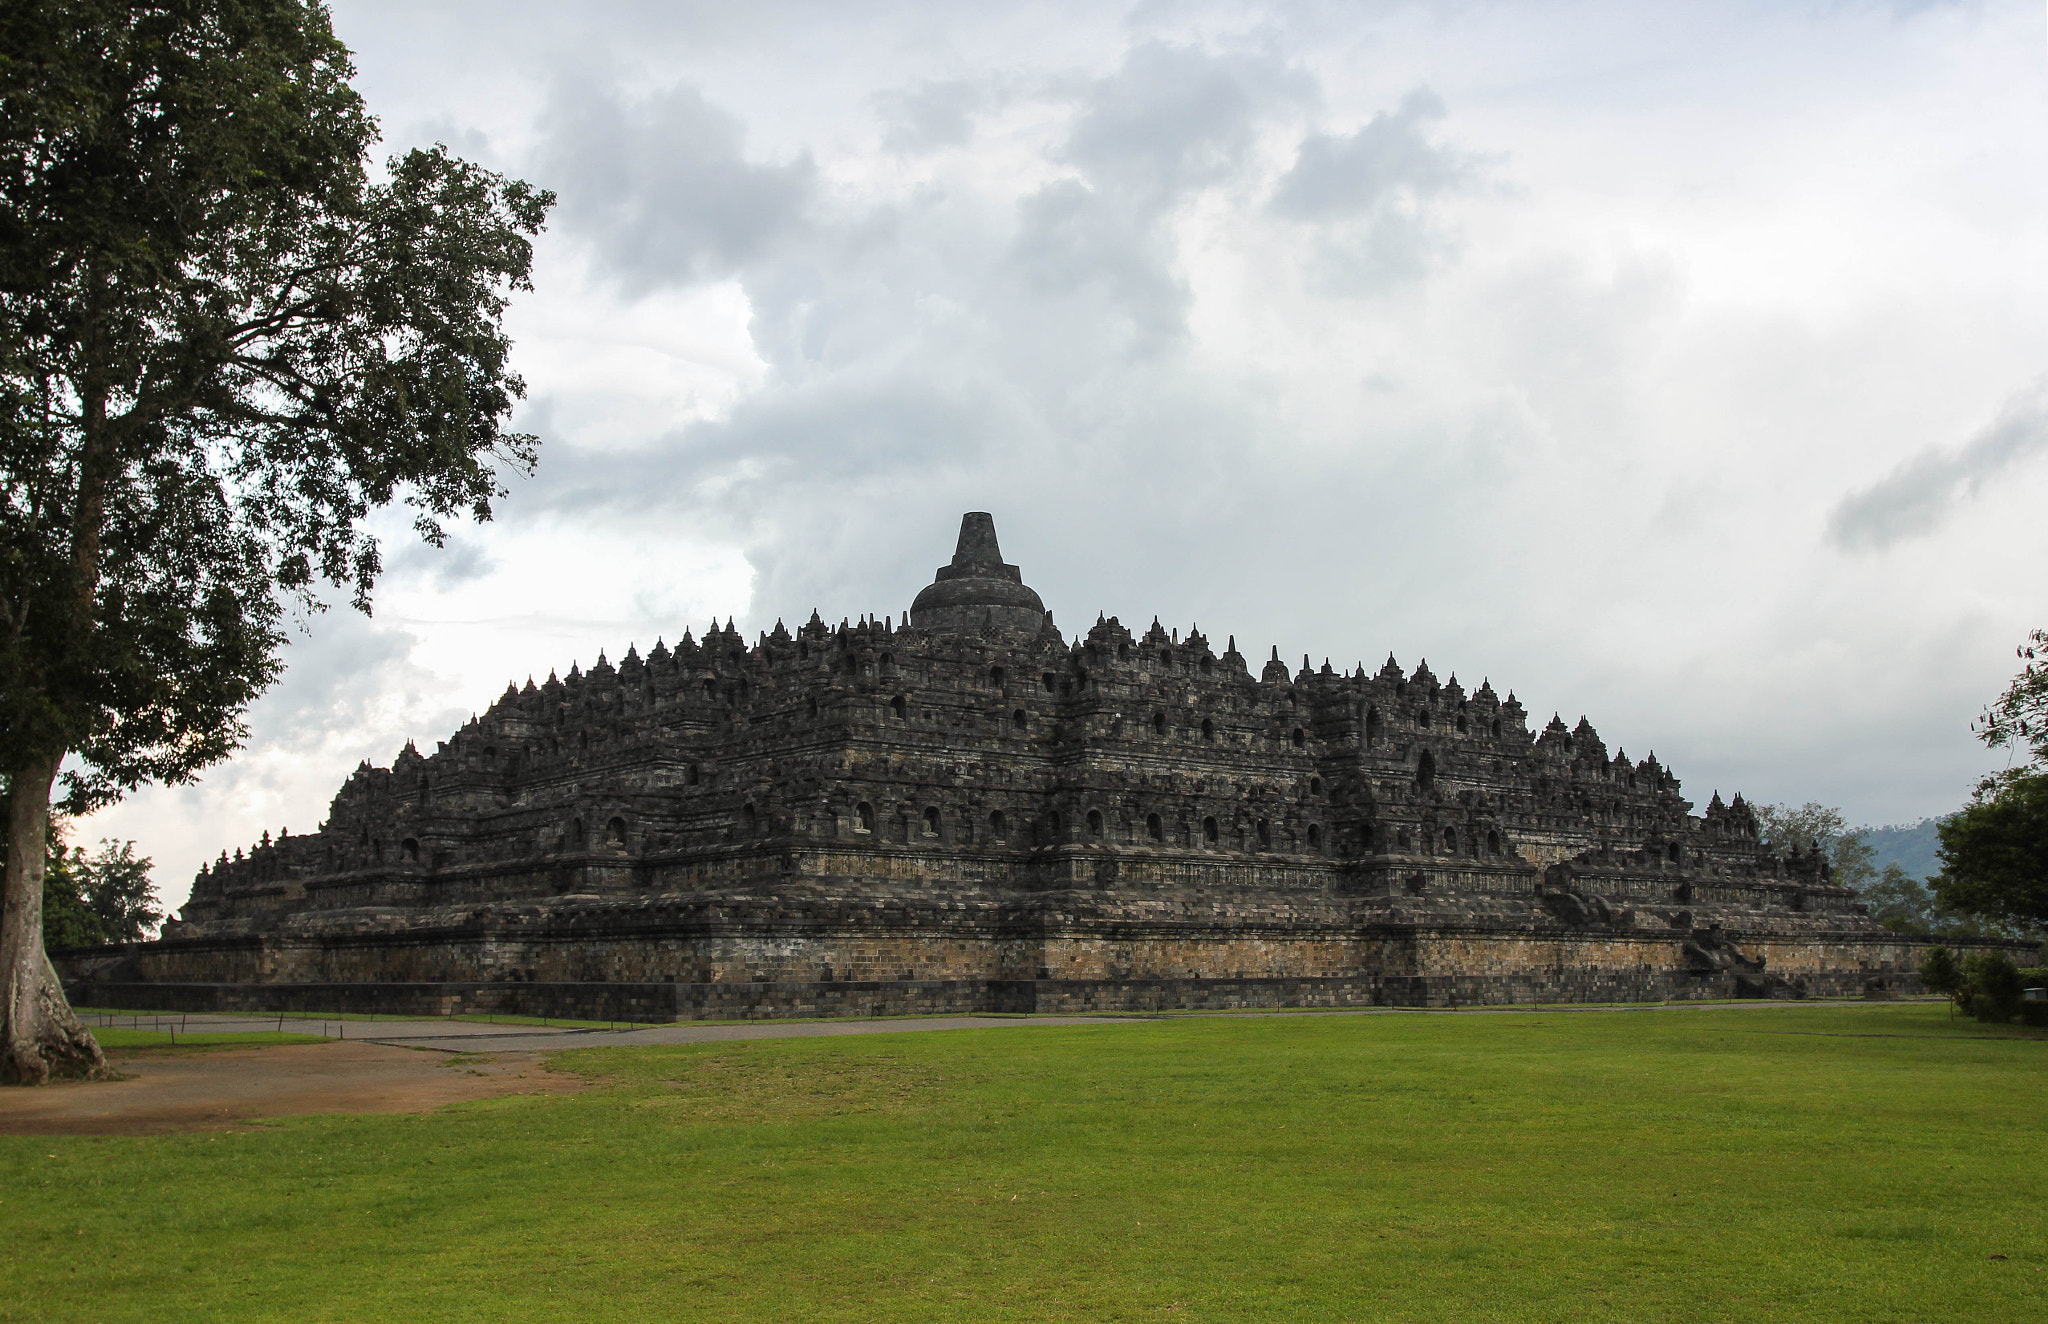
{"x": 1994, "y": 853}
{"x": 1994, "y": 850}
{"x": 224, "y": 341}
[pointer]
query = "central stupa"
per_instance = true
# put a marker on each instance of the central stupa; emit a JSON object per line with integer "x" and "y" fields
{"x": 977, "y": 592}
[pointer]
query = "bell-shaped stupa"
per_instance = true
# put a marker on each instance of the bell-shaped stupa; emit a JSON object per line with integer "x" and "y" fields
{"x": 977, "y": 590}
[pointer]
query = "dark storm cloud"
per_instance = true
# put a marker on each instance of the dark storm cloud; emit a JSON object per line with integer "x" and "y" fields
{"x": 1913, "y": 499}
{"x": 661, "y": 188}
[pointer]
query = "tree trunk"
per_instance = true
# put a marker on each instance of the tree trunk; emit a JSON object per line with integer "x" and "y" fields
{"x": 39, "y": 1035}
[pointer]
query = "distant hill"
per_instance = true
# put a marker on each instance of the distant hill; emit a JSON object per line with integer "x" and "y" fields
{"x": 1910, "y": 846}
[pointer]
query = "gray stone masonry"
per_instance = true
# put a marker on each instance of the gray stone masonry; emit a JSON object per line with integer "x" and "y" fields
{"x": 966, "y": 811}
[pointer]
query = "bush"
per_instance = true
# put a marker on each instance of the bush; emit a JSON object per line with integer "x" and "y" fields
{"x": 1994, "y": 987}
{"x": 2035, "y": 1014}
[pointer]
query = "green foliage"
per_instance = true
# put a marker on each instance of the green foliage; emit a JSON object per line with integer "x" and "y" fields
{"x": 1941, "y": 973}
{"x": 89, "y": 900}
{"x": 68, "y": 918}
{"x": 1900, "y": 902}
{"x": 1994, "y": 987}
{"x": 115, "y": 886}
{"x": 1817, "y": 828}
{"x": 1894, "y": 897}
{"x": 1994, "y": 852}
{"x": 1986, "y": 984}
{"x": 221, "y": 346}
{"x": 1905, "y": 904}
{"x": 1851, "y": 858}
{"x": 1797, "y": 1164}
{"x": 2019, "y": 718}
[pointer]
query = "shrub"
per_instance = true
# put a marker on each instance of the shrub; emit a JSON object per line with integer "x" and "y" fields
{"x": 1994, "y": 986}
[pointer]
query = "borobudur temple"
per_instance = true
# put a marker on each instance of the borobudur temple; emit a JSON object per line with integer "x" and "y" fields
{"x": 965, "y": 811}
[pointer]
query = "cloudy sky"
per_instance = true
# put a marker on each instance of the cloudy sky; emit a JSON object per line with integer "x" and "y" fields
{"x": 1678, "y": 365}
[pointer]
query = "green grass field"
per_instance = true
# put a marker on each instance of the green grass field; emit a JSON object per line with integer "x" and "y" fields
{"x": 1823, "y": 1163}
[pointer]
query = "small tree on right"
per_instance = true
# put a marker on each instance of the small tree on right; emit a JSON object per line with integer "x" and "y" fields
{"x": 1941, "y": 973}
{"x": 1993, "y": 985}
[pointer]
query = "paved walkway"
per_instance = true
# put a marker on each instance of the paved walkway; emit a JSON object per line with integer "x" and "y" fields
{"x": 485, "y": 1037}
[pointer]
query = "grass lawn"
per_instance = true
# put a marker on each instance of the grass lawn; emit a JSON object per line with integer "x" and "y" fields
{"x": 1823, "y": 1163}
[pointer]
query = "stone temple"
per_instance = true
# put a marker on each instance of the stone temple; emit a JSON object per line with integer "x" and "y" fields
{"x": 966, "y": 811}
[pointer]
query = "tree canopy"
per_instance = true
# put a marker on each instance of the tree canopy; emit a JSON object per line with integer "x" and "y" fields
{"x": 2019, "y": 717}
{"x": 223, "y": 343}
{"x": 1814, "y": 828}
{"x": 1894, "y": 898}
{"x": 102, "y": 897}
{"x": 1994, "y": 850}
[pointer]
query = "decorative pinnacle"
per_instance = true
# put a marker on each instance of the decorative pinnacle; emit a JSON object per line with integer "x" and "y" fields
{"x": 977, "y": 545}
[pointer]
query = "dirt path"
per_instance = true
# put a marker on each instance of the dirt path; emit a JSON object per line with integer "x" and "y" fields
{"x": 222, "y": 1088}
